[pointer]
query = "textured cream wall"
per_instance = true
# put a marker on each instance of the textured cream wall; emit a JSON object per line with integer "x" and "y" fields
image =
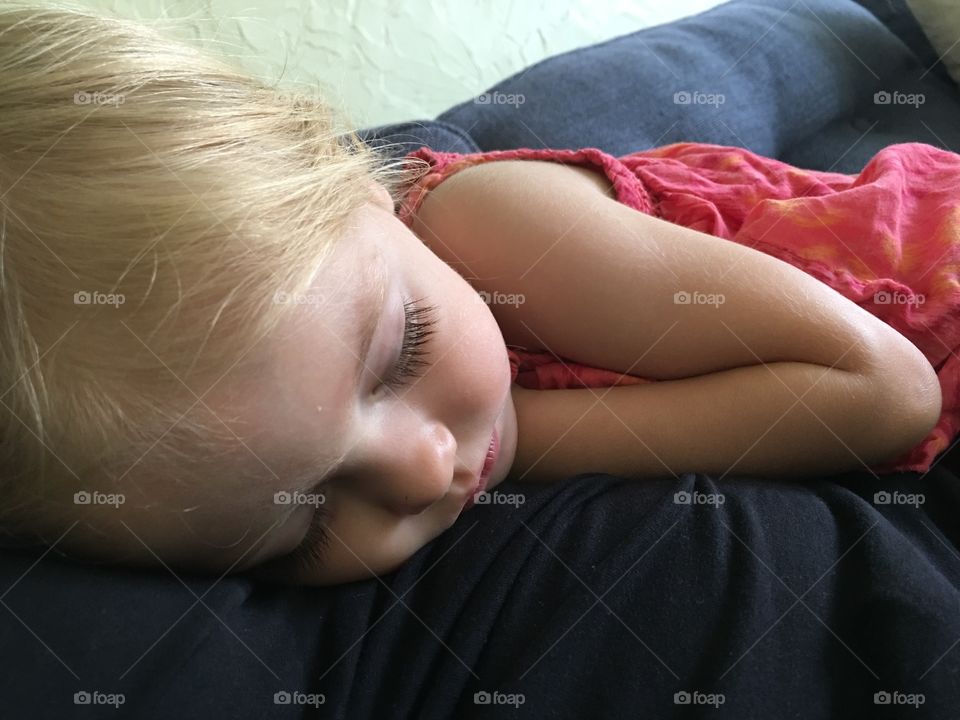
{"x": 385, "y": 61}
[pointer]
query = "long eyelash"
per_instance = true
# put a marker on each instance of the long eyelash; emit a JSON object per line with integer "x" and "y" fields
{"x": 309, "y": 553}
{"x": 418, "y": 322}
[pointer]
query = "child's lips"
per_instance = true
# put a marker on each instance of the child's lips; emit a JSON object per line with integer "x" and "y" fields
{"x": 492, "y": 453}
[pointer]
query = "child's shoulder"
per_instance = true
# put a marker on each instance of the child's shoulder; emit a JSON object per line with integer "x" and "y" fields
{"x": 464, "y": 173}
{"x": 487, "y": 182}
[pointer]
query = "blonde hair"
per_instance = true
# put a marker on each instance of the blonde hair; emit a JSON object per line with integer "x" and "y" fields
{"x": 153, "y": 200}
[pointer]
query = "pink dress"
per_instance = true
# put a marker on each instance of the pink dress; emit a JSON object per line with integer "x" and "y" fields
{"x": 887, "y": 239}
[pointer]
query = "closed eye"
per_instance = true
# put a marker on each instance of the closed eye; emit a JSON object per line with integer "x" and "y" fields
{"x": 417, "y": 329}
{"x": 310, "y": 552}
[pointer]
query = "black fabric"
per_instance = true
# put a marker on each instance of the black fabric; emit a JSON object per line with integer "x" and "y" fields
{"x": 605, "y": 597}
{"x": 597, "y": 597}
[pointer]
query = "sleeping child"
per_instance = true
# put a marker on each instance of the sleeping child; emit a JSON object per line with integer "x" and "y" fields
{"x": 236, "y": 338}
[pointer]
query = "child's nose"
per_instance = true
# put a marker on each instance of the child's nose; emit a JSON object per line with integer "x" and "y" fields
{"x": 424, "y": 471}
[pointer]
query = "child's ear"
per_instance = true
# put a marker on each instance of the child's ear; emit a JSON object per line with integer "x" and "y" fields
{"x": 380, "y": 196}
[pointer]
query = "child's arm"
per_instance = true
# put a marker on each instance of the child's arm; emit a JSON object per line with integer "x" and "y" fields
{"x": 744, "y": 421}
{"x": 599, "y": 280}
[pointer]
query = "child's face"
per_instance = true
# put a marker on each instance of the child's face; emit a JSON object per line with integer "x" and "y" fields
{"x": 411, "y": 454}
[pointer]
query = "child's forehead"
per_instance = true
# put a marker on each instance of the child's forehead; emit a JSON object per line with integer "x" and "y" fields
{"x": 358, "y": 263}
{"x": 299, "y": 406}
